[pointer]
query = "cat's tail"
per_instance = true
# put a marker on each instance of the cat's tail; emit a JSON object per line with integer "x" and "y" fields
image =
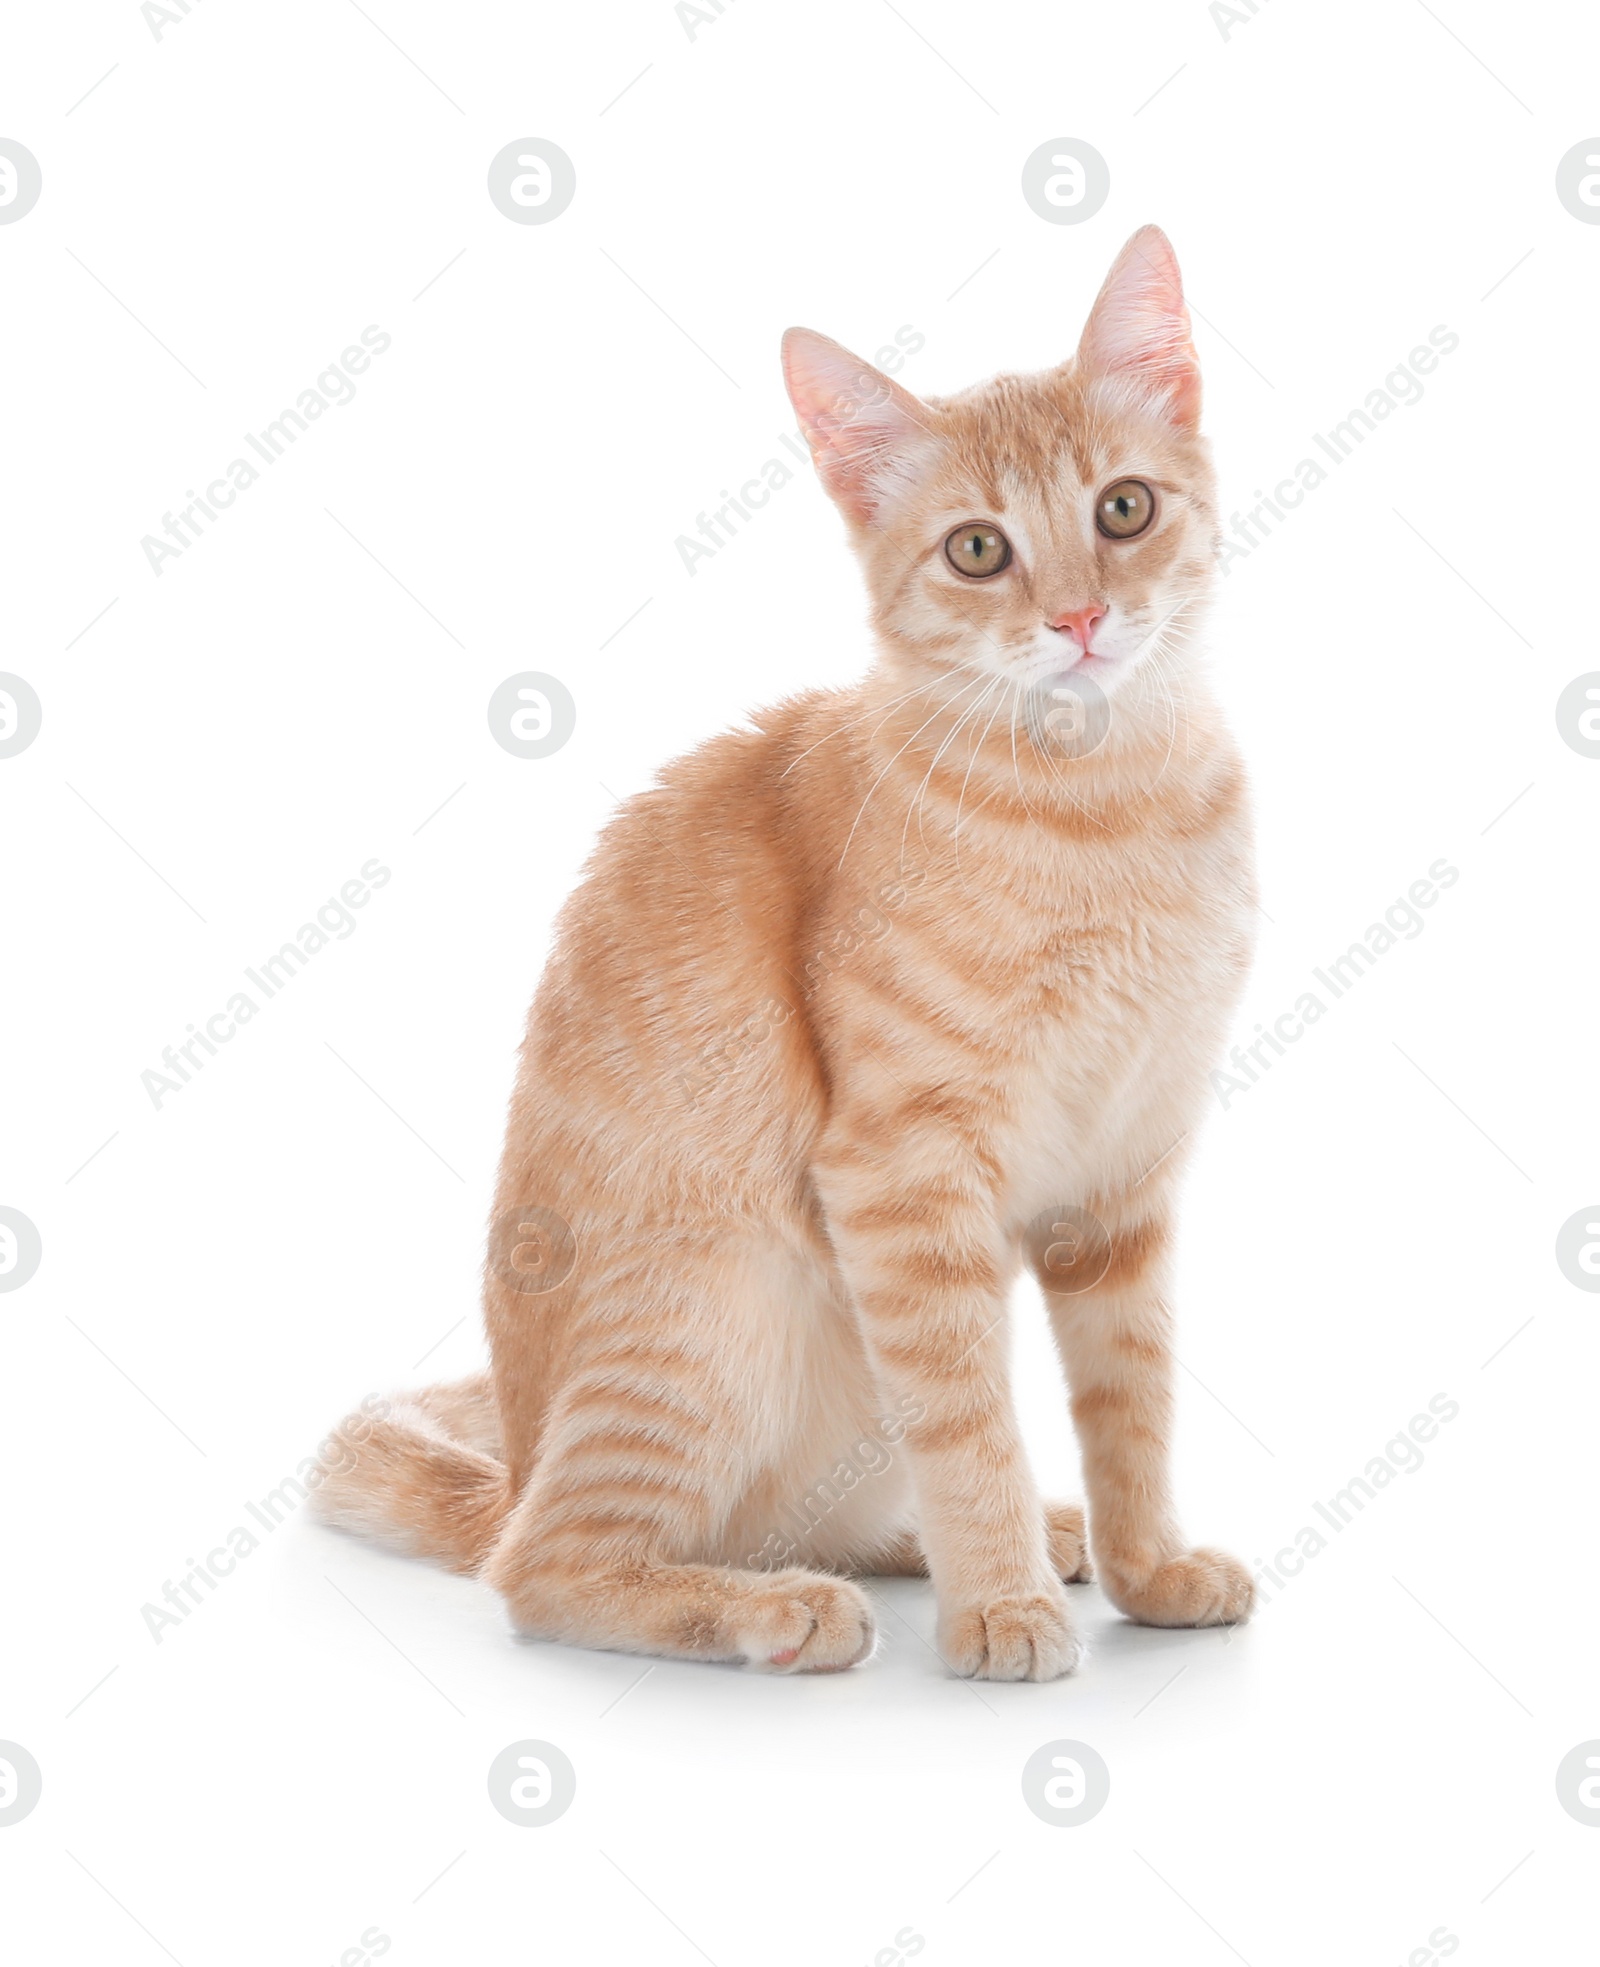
{"x": 420, "y": 1472}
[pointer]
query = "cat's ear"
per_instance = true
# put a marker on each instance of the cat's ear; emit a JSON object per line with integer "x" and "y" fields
{"x": 865, "y": 432}
{"x": 1138, "y": 328}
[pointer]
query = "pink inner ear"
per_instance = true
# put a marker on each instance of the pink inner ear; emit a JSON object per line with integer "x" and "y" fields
{"x": 1139, "y": 325}
{"x": 858, "y": 423}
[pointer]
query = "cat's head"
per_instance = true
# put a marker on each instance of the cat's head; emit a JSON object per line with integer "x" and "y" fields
{"x": 1031, "y": 525}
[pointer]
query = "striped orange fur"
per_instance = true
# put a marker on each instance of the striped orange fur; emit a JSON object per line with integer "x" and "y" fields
{"x": 846, "y": 1005}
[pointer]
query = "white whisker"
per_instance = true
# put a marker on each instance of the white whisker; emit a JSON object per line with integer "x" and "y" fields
{"x": 871, "y": 789}
{"x": 916, "y": 802}
{"x": 859, "y": 718}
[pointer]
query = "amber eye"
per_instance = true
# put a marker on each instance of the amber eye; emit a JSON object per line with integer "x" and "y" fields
{"x": 977, "y": 551}
{"x": 1125, "y": 509}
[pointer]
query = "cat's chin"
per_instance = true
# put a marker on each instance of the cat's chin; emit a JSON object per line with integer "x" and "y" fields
{"x": 1110, "y": 672}
{"x": 1105, "y": 669}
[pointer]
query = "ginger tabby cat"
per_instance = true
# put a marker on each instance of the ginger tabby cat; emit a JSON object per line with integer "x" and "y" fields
{"x": 852, "y": 1015}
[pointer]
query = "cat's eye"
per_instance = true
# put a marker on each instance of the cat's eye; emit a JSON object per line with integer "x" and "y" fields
{"x": 1125, "y": 509}
{"x": 977, "y": 551}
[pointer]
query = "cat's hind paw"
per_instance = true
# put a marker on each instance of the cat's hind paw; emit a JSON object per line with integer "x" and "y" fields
{"x": 806, "y": 1623}
{"x": 1067, "y": 1539}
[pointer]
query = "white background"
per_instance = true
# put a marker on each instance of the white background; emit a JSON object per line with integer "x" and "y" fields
{"x": 1371, "y": 1225}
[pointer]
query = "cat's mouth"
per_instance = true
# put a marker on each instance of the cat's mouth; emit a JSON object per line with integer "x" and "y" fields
{"x": 1066, "y": 659}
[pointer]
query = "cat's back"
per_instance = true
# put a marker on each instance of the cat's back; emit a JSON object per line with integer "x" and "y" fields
{"x": 685, "y": 936}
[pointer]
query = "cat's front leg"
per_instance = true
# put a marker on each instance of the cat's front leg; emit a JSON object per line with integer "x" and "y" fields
{"x": 910, "y": 1213}
{"x": 1116, "y": 1347}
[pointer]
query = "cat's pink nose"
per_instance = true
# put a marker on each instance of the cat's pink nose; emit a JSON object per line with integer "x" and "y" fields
{"x": 1081, "y": 622}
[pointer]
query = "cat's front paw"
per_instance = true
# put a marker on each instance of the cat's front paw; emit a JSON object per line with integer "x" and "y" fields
{"x": 1025, "y": 1637}
{"x": 1205, "y": 1588}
